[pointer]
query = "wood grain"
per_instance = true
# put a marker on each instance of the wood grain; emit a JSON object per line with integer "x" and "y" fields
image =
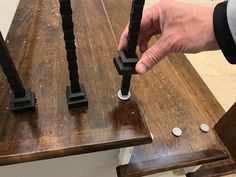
{"x": 172, "y": 94}
{"x": 222, "y": 168}
{"x": 36, "y": 43}
{"x": 162, "y": 164}
{"x": 225, "y": 128}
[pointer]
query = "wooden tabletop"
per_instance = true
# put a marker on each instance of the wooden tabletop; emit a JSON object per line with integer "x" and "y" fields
{"x": 36, "y": 44}
{"x": 172, "y": 95}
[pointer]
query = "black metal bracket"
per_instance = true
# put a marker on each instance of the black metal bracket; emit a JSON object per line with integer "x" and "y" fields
{"x": 77, "y": 99}
{"x": 23, "y": 104}
{"x": 125, "y": 65}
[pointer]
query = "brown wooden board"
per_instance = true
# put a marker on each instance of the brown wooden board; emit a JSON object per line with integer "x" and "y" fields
{"x": 225, "y": 128}
{"x": 36, "y": 44}
{"x": 224, "y": 167}
{"x": 172, "y": 95}
{"x": 168, "y": 163}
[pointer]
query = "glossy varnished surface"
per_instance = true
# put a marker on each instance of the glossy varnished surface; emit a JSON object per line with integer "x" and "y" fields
{"x": 37, "y": 47}
{"x": 222, "y": 168}
{"x": 225, "y": 128}
{"x": 168, "y": 163}
{"x": 172, "y": 95}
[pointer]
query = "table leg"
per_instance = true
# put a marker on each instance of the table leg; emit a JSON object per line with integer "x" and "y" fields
{"x": 75, "y": 93}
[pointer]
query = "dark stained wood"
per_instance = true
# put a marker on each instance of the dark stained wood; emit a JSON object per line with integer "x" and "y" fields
{"x": 162, "y": 164}
{"x": 225, "y": 167}
{"x": 226, "y": 129}
{"x": 172, "y": 95}
{"x": 9, "y": 70}
{"x": 199, "y": 92}
{"x": 36, "y": 44}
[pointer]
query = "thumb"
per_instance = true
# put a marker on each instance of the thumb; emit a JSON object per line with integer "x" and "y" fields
{"x": 152, "y": 56}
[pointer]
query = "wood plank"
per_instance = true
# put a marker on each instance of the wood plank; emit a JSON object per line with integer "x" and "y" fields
{"x": 36, "y": 43}
{"x": 172, "y": 95}
{"x": 162, "y": 164}
{"x": 225, "y": 167}
{"x": 225, "y": 128}
{"x": 199, "y": 92}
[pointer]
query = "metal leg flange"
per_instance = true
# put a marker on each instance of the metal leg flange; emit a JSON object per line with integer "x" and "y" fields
{"x": 124, "y": 64}
{"x": 76, "y": 99}
{"x": 23, "y": 104}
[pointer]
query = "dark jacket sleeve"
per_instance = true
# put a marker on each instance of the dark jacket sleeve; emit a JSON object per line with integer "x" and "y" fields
{"x": 223, "y": 33}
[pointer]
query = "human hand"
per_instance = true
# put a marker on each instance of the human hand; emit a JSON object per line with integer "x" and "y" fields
{"x": 183, "y": 28}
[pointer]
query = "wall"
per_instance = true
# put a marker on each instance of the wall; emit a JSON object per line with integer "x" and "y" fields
{"x": 7, "y": 10}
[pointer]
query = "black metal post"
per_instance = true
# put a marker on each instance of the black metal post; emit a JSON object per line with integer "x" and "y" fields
{"x": 125, "y": 84}
{"x": 22, "y": 99}
{"x": 126, "y": 60}
{"x": 134, "y": 26}
{"x": 76, "y": 96}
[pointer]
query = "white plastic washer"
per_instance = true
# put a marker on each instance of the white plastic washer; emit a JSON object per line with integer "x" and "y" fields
{"x": 123, "y": 97}
{"x": 177, "y": 131}
{"x": 205, "y": 128}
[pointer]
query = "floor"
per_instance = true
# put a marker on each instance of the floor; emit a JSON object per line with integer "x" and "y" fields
{"x": 219, "y": 76}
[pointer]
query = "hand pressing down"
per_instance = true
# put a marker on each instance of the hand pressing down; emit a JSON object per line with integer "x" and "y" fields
{"x": 183, "y": 28}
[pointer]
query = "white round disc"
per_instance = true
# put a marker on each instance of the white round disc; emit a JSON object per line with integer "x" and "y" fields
{"x": 123, "y": 97}
{"x": 205, "y": 128}
{"x": 177, "y": 131}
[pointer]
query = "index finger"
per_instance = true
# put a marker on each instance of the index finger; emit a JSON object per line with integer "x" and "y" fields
{"x": 124, "y": 39}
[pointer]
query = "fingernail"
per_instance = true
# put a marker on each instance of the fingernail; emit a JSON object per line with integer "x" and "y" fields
{"x": 141, "y": 68}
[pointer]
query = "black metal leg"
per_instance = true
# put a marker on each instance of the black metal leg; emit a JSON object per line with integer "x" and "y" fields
{"x": 126, "y": 60}
{"x": 134, "y": 26}
{"x": 22, "y": 100}
{"x": 125, "y": 84}
{"x": 76, "y": 96}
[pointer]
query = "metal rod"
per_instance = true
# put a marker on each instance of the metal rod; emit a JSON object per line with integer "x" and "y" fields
{"x": 134, "y": 26}
{"x": 69, "y": 37}
{"x": 125, "y": 84}
{"x": 10, "y": 71}
{"x": 134, "y": 29}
